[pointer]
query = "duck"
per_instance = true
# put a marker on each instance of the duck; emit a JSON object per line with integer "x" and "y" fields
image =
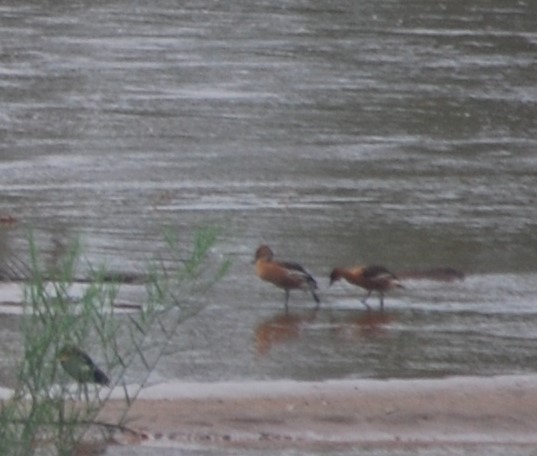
{"x": 285, "y": 275}
{"x": 81, "y": 367}
{"x": 371, "y": 278}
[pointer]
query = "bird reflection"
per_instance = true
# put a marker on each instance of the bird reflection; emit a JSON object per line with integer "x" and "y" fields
{"x": 368, "y": 324}
{"x": 284, "y": 328}
{"x": 280, "y": 329}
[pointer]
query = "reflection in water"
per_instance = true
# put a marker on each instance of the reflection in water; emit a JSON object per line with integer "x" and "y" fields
{"x": 284, "y": 328}
{"x": 369, "y": 324}
{"x": 280, "y": 329}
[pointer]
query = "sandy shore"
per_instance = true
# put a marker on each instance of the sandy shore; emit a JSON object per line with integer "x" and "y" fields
{"x": 338, "y": 414}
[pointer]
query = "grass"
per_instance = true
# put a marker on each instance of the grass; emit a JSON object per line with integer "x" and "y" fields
{"x": 51, "y": 413}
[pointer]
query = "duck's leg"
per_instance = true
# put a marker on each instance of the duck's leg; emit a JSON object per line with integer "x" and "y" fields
{"x": 381, "y": 301}
{"x": 363, "y": 301}
{"x": 316, "y": 298}
{"x": 286, "y": 301}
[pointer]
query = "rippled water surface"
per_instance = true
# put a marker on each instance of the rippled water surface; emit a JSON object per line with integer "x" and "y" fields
{"x": 395, "y": 132}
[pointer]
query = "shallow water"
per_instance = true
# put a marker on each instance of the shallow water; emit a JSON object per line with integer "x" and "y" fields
{"x": 400, "y": 133}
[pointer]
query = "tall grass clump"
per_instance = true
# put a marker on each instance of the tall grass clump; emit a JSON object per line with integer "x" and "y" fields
{"x": 50, "y": 412}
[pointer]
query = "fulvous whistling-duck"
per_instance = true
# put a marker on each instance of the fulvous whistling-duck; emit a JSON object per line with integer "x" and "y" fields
{"x": 372, "y": 278}
{"x": 288, "y": 276}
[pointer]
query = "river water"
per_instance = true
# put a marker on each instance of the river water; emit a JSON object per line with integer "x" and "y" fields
{"x": 395, "y": 132}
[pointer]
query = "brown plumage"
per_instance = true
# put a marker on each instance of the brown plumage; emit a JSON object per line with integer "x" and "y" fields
{"x": 285, "y": 275}
{"x": 371, "y": 278}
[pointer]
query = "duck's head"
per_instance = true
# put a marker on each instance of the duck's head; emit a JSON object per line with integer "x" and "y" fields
{"x": 264, "y": 252}
{"x": 335, "y": 275}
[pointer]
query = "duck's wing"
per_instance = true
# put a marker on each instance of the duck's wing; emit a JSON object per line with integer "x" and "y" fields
{"x": 88, "y": 369}
{"x": 297, "y": 270}
{"x": 378, "y": 273}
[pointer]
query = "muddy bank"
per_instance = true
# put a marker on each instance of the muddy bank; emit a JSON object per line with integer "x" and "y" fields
{"x": 340, "y": 414}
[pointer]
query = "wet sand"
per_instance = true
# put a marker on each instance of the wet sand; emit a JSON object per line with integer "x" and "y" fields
{"x": 498, "y": 411}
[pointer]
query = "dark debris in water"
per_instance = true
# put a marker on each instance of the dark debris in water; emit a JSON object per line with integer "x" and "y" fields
{"x": 442, "y": 274}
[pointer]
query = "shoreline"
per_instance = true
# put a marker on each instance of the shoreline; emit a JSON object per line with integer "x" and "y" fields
{"x": 456, "y": 411}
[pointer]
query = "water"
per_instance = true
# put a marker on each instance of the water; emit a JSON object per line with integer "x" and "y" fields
{"x": 399, "y": 133}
